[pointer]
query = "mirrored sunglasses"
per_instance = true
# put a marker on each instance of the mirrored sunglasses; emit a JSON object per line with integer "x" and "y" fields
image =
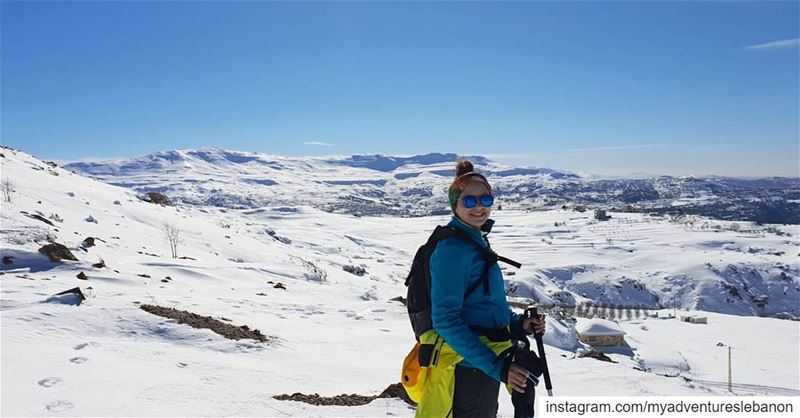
{"x": 469, "y": 202}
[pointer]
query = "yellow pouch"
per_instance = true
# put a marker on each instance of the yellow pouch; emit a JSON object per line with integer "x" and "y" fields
{"x": 414, "y": 376}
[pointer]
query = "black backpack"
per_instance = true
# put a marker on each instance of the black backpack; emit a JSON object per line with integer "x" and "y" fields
{"x": 418, "y": 300}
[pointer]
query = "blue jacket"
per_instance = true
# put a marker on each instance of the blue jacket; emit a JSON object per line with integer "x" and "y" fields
{"x": 455, "y": 264}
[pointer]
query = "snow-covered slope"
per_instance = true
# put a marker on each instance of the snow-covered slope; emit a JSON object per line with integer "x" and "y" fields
{"x": 635, "y": 260}
{"x": 387, "y": 185}
{"x": 60, "y": 358}
{"x": 332, "y": 332}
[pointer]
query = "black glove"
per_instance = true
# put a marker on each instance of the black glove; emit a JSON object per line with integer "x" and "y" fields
{"x": 529, "y": 360}
{"x": 523, "y": 402}
{"x": 517, "y": 332}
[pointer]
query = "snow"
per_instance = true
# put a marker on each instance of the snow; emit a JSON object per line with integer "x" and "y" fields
{"x": 598, "y": 327}
{"x": 333, "y": 332}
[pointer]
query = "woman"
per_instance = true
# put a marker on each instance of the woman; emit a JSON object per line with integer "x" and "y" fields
{"x": 460, "y": 321}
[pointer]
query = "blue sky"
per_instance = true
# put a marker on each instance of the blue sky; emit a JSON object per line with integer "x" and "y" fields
{"x": 594, "y": 87}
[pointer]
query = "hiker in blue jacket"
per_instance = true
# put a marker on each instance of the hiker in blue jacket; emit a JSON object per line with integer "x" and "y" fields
{"x": 454, "y": 266}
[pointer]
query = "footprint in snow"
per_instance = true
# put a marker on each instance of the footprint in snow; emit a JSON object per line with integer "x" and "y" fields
{"x": 80, "y": 346}
{"x": 59, "y": 406}
{"x": 50, "y": 381}
{"x": 182, "y": 365}
{"x": 78, "y": 360}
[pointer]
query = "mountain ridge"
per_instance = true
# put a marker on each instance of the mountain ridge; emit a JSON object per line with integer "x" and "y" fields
{"x": 378, "y": 184}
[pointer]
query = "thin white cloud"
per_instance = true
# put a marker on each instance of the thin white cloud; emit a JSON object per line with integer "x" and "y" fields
{"x": 786, "y": 43}
{"x": 317, "y": 144}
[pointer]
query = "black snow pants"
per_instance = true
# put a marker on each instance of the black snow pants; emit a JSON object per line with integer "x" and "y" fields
{"x": 475, "y": 394}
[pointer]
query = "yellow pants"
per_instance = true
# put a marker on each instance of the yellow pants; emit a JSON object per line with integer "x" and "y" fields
{"x": 432, "y": 385}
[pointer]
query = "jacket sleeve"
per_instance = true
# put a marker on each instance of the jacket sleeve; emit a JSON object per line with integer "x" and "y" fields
{"x": 450, "y": 268}
{"x": 515, "y": 324}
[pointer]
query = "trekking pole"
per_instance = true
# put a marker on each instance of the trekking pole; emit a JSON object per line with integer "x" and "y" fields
{"x": 532, "y": 312}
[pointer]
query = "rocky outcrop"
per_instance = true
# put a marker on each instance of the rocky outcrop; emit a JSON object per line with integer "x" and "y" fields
{"x": 57, "y": 252}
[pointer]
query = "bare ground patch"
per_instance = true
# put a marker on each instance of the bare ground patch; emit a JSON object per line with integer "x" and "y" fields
{"x": 229, "y": 331}
{"x": 393, "y": 391}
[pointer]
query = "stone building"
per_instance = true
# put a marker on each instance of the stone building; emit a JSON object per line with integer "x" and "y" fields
{"x": 600, "y": 333}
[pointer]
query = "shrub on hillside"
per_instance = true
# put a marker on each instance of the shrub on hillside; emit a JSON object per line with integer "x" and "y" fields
{"x": 156, "y": 198}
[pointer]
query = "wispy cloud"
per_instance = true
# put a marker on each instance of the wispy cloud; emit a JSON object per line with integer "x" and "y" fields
{"x": 786, "y": 43}
{"x": 317, "y": 144}
{"x": 616, "y": 148}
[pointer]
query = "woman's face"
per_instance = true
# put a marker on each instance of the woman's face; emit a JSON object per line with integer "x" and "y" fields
{"x": 475, "y": 216}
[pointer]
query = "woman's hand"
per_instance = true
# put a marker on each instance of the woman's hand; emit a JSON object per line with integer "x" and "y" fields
{"x": 517, "y": 377}
{"x": 532, "y": 326}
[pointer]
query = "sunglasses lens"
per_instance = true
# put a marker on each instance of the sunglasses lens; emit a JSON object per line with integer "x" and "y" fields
{"x": 487, "y": 200}
{"x": 470, "y": 201}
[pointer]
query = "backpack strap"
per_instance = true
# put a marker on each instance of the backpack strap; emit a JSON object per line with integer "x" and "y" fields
{"x": 484, "y": 279}
{"x": 447, "y": 231}
{"x": 509, "y": 261}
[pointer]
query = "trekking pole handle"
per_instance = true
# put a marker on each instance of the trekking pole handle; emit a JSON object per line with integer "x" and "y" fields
{"x": 532, "y": 312}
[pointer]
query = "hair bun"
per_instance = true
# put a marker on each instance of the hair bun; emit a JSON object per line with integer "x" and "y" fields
{"x": 463, "y": 167}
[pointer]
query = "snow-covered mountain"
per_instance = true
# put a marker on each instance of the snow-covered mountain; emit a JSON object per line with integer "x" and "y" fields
{"x": 385, "y": 185}
{"x": 360, "y": 184}
{"x": 319, "y": 285}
